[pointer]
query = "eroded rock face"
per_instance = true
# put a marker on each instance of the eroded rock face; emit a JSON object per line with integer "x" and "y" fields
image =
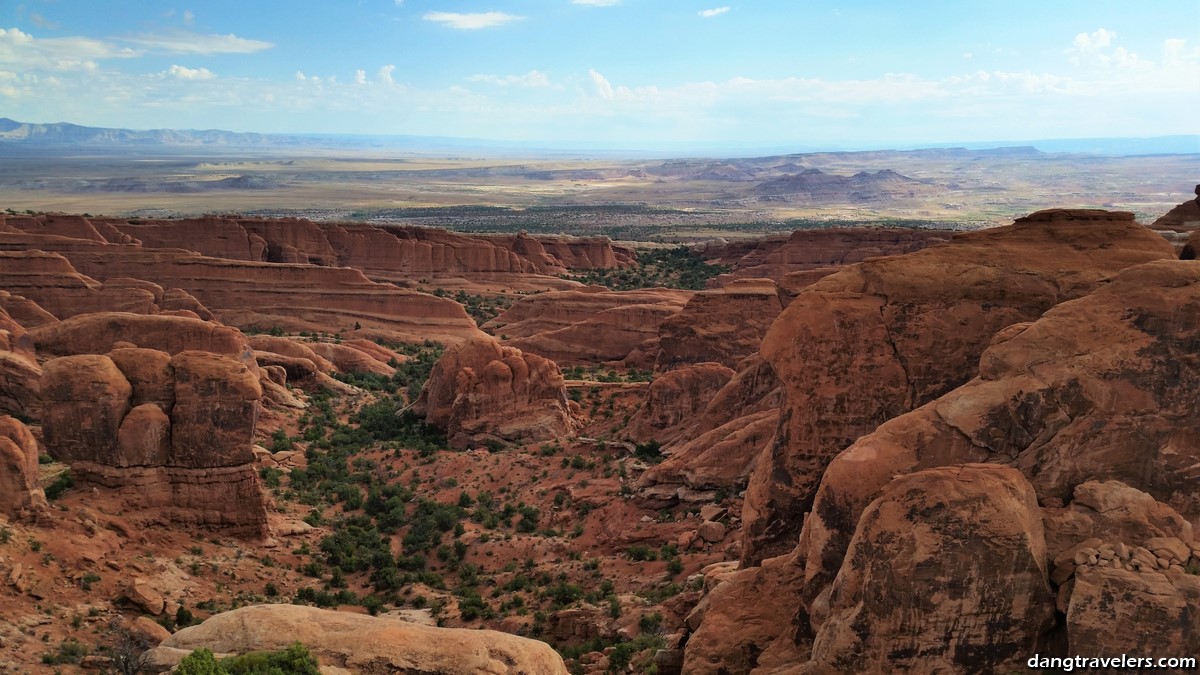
{"x": 719, "y": 447}
{"x": 673, "y": 399}
{"x": 947, "y": 570}
{"x": 591, "y": 325}
{"x": 366, "y": 644}
{"x": 818, "y": 250}
{"x": 1181, "y": 226}
{"x": 721, "y": 326}
{"x": 170, "y": 435}
{"x": 885, "y": 336}
{"x": 19, "y": 370}
{"x": 1157, "y": 612}
{"x": 1100, "y": 389}
{"x": 84, "y": 399}
{"x": 483, "y": 391}
{"x": 216, "y": 407}
{"x": 20, "y": 495}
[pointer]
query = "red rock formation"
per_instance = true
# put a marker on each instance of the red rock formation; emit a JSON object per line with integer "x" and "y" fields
{"x": 293, "y": 348}
{"x": 98, "y": 334}
{"x": 885, "y": 336}
{"x": 673, "y": 400}
{"x": 775, "y": 257}
{"x": 84, "y": 399}
{"x": 722, "y": 326}
{"x": 555, "y": 310}
{"x": 483, "y": 391}
{"x": 350, "y": 358}
{"x": 24, "y": 311}
{"x": 365, "y": 643}
{"x": 19, "y": 370}
{"x": 20, "y": 495}
{"x": 1101, "y": 388}
{"x": 1180, "y": 223}
{"x": 720, "y": 446}
{"x": 1191, "y": 249}
{"x": 591, "y": 325}
{"x": 169, "y": 435}
{"x": 565, "y": 253}
{"x": 946, "y": 572}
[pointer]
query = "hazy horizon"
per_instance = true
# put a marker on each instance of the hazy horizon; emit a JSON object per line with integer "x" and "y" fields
{"x": 613, "y": 73}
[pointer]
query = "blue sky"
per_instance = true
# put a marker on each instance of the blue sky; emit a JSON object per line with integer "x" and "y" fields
{"x": 620, "y": 71}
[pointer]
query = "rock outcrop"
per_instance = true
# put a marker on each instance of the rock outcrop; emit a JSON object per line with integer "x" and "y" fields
{"x": 1100, "y": 389}
{"x": 885, "y": 336}
{"x": 721, "y": 326}
{"x": 946, "y": 572}
{"x": 718, "y": 448}
{"x": 591, "y": 325}
{"x": 673, "y": 400}
{"x": 1181, "y": 226}
{"x": 361, "y": 643}
{"x": 169, "y": 434}
{"x": 822, "y": 251}
{"x": 19, "y": 370}
{"x": 20, "y": 495}
{"x": 296, "y": 297}
{"x": 100, "y": 332}
{"x": 483, "y": 391}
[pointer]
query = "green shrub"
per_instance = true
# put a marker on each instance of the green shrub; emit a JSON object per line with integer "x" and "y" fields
{"x": 60, "y": 485}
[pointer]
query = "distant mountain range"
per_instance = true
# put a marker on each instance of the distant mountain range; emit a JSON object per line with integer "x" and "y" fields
{"x": 65, "y": 135}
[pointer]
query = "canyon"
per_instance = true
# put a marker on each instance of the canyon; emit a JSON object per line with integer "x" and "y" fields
{"x": 846, "y": 449}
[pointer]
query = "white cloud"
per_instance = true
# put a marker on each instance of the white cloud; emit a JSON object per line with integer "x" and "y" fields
{"x": 360, "y": 77}
{"x": 532, "y": 79}
{"x": 185, "y": 73}
{"x": 715, "y": 11}
{"x": 470, "y": 21}
{"x": 596, "y": 3}
{"x": 26, "y": 52}
{"x": 604, "y": 88}
{"x": 188, "y": 17}
{"x": 1096, "y": 40}
{"x": 185, "y": 42}
{"x": 399, "y": 3}
{"x": 385, "y": 74}
{"x": 300, "y": 75}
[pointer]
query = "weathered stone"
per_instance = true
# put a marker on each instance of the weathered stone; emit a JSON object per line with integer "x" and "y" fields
{"x": 367, "y": 644}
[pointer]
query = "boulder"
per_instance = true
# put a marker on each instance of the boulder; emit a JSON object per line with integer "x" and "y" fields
{"x": 946, "y": 572}
{"x": 141, "y": 593}
{"x": 363, "y": 643}
{"x": 19, "y": 370}
{"x": 150, "y": 374}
